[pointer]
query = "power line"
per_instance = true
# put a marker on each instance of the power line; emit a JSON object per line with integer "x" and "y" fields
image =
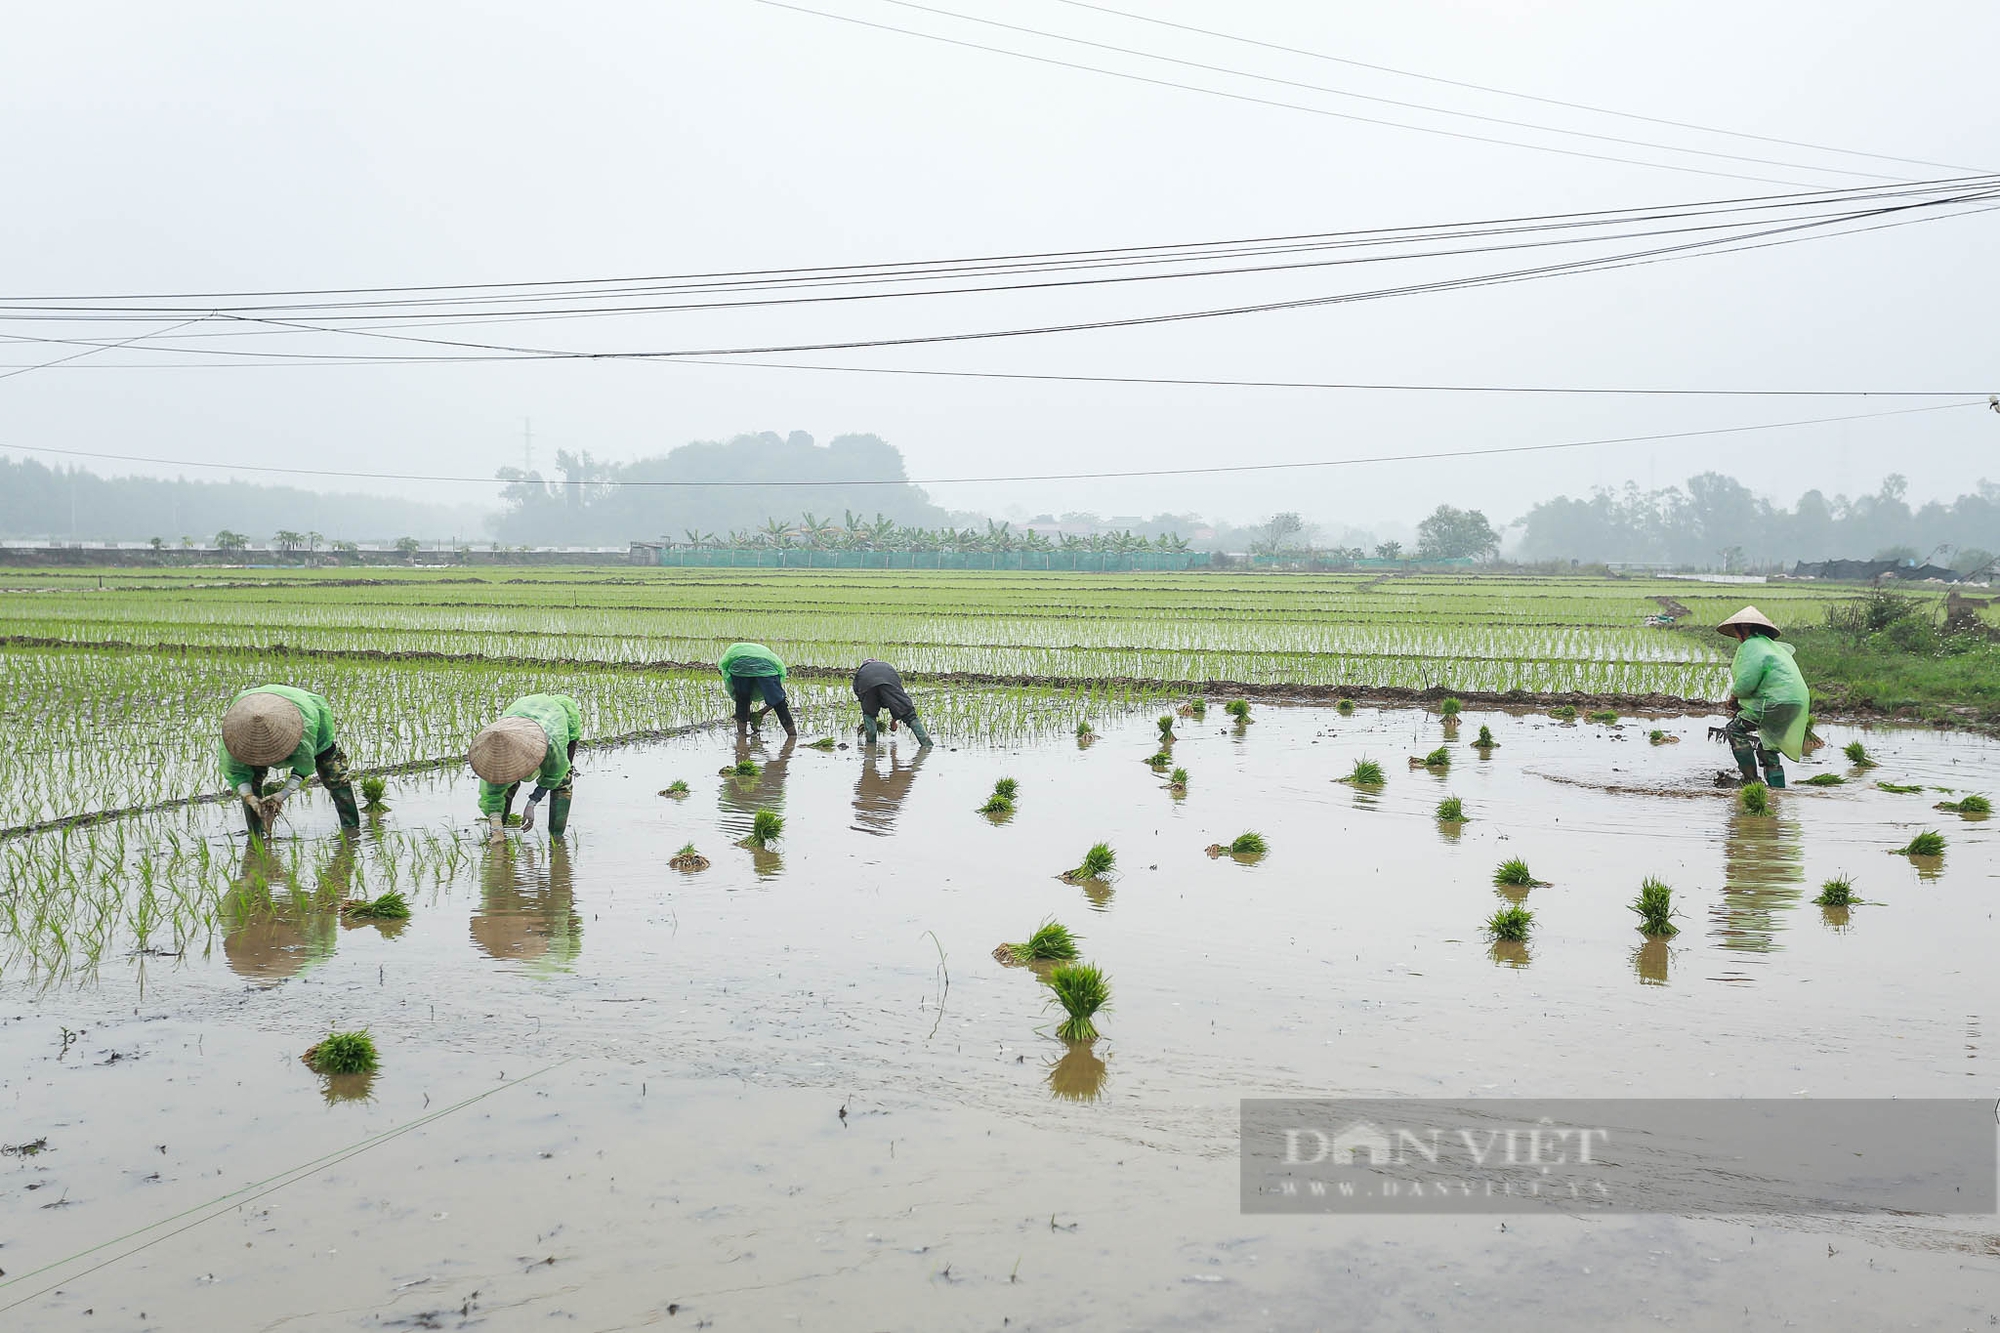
{"x": 1271, "y": 102}
{"x": 1385, "y": 101}
{"x": 1124, "y": 474}
{"x": 1503, "y": 92}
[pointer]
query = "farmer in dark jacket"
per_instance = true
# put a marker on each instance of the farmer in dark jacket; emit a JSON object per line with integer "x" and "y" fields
{"x": 877, "y": 686}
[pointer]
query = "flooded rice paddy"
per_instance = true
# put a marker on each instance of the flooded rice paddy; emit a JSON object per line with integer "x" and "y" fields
{"x": 795, "y": 1089}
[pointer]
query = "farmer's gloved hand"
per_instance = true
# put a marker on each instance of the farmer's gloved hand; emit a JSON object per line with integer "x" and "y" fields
{"x": 528, "y": 811}
{"x": 248, "y": 796}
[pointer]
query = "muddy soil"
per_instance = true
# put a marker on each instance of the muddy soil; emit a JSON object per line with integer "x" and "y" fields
{"x": 797, "y": 1091}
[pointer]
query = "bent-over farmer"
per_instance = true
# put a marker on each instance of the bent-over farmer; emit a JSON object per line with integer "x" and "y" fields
{"x": 749, "y": 668}
{"x": 536, "y": 737}
{"x": 1770, "y": 696}
{"x": 878, "y": 686}
{"x": 271, "y": 726}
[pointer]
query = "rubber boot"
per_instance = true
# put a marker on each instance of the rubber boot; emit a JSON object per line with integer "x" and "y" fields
{"x": 558, "y": 812}
{"x": 1774, "y": 771}
{"x": 1746, "y": 762}
{"x": 871, "y": 727}
{"x": 917, "y": 729}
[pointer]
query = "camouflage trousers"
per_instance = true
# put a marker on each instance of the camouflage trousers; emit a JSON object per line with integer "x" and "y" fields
{"x": 331, "y": 766}
{"x": 559, "y": 797}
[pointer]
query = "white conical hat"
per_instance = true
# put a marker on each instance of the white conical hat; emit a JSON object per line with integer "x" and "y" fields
{"x": 509, "y": 750}
{"x": 262, "y": 728}
{"x": 1749, "y": 615}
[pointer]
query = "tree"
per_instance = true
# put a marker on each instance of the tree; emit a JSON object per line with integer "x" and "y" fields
{"x": 1281, "y": 533}
{"x": 288, "y": 541}
{"x": 1389, "y": 551}
{"x": 1456, "y": 534}
{"x": 156, "y": 543}
{"x": 408, "y": 547}
{"x": 226, "y": 540}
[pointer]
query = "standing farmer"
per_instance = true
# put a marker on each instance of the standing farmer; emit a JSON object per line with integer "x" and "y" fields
{"x": 1770, "y": 697}
{"x": 536, "y": 736}
{"x": 877, "y": 686}
{"x": 752, "y": 668}
{"x": 272, "y": 725}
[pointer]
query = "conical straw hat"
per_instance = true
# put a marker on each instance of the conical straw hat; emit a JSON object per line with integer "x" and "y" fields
{"x": 261, "y": 729}
{"x": 509, "y": 750}
{"x": 1749, "y": 615}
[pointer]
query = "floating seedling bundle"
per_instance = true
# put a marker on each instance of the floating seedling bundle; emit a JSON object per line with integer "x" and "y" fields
{"x": 1245, "y": 846}
{"x": 1166, "y": 724}
{"x": 390, "y": 906}
{"x": 1563, "y": 712}
{"x": 1604, "y": 716}
{"x": 1929, "y": 843}
{"x": 1451, "y": 707}
{"x": 1240, "y": 710}
{"x": 1857, "y": 755}
{"x": 1898, "y": 788}
{"x": 766, "y": 827}
{"x": 1451, "y": 810}
{"x": 1001, "y": 801}
{"x": 1177, "y": 782}
{"x": 1510, "y": 925}
{"x": 342, "y": 1053}
{"x": 1052, "y": 942}
{"x": 1655, "y": 906}
{"x": 372, "y": 788}
{"x": 1098, "y": 862}
{"x": 675, "y": 790}
{"x": 1367, "y": 773}
{"x": 1971, "y": 804}
{"x": 1514, "y": 873}
{"x": 1196, "y": 708}
{"x": 1755, "y": 798}
{"x": 687, "y": 859}
{"x": 1159, "y": 759}
{"x": 1484, "y": 740}
{"x": 742, "y": 768}
{"x": 1345, "y": 707}
{"x": 1083, "y": 992}
{"x": 1084, "y": 733}
{"x": 1658, "y": 737}
{"x": 823, "y": 743}
{"x": 1436, "y": 761}
{"x": 1825, "y": 780}
{"x": 1837, "y": 892}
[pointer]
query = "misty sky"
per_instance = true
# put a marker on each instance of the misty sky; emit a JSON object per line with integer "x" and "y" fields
{"x": 201, "y": 147}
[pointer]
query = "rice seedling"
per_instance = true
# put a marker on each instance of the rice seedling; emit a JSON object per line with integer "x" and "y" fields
{"x": 1160, "y": 759}
{"x": 766, "y": 827}
{"x": 997, "y": 804}
{"x": 823, "y": 743}
{"x": 1367, "y": 773}
{"x": 1196, "y": 708}
{"x": 1603, "y": 715}
{"x": 1052, "y": 942}
{"x": 1451, "y": 810}
{"x": 1563, "y": 712}
{"x": 1510, "y": 924}
{"x": 1826, "y": 780}
{"x": 1098, "y": 862}
{"x": 1246, "y": 845}
{"x": 1439, "y": 758}
{"x": 1655, "y": 906}
{"x": 372, "y": 787}
{"x": 1484, "y": 740}
{"x": 688, "y": 859}
{"x": 1083, "y": 991}
{"x": 1450, "y": 707}
{"x": 677, "y": 789}
{"x": 744, "y": 768}
{"x": 1837, "y": 892}
{"x": 1857, "y": 755}
{"x": 1177, "y": 782}
{"x": 1970, "y": 804}
{"x": 1897, "y": 788}
{"x": 1514, "y": 873}
{"x": 1345, "y": 707}
{"x": 343, "y": 1053}
{"x": 1007, "y": 787}
{"x": 1240, "y": 710}
{"x": 1166, "y": 724}
{"x": 1659, "y": 737}
{"x": 390, "y": 906}
{"x": 1928, "y": 843}
{"x": 1084, "y": 732}
{"x": 1755, "y": 798}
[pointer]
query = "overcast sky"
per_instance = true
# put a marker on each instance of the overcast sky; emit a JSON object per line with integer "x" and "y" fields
{"x": 200, "y": 147}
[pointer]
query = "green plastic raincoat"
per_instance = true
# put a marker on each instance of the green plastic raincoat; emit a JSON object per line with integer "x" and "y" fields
{"x": 315, "y": 740}
{"x": 1766, "y": 681}
{"x": 749, "y": 659}
{"x": 556, "y": 714}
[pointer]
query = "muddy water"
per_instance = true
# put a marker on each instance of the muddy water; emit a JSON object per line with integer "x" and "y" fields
{"x": 612, "y": 1093}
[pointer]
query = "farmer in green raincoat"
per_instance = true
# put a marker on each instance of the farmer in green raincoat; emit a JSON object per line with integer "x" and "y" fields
{"x": 1772, "y": 703}
{"x": 751, "y": 668}
{"x": 536, "y": 737}
{"x": 271, "y": 726}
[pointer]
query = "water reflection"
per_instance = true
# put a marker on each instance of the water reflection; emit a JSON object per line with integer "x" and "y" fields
{"x": 347, "y": 1087}
{"x": 527, "y": 905}
{"x": 879, "y": 795}
{"x": 1510, "y": 953}
{"x": 1763, "y": 871}
{"x": 273, "y": 928}
{"x": 1651, "y": 961}
{"x": 1079, "y": 1076}
{"x": 1836, "y": 919}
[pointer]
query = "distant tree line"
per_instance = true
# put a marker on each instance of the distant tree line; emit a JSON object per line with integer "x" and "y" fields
{"x": 810, "y": 532}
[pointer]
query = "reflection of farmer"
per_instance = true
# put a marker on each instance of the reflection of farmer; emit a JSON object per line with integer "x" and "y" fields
{"x": 746, "y": 795}
{"x": 877, "y": 686}
{"x": 268, "y": 937}
{"x": 537, "y": 735}
{"x": 526, "y": 915}
{"x": 1770, "y": 697}
{"x": 878, "y": 795}
{"x": 749, "y": 668}
{"x": 275, "y": 725}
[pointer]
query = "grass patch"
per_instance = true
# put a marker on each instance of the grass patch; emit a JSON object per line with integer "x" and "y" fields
{"x": 1083, "y": 991}
{"x": 1511, "y": 924}
{"x": 1837, "y": 892}
{"x": 1971, "y": 804}
{"x": 1451, "y": 810}
{"x": 343, "y": 1053}
{"x": 1655, "y": 906}
{"x": 1755, "y": 798}
{"x": 372, "y": 788}
{"x": 1909, "y": 667}
{"x": 1928, "y": 843}
{"x": 391, "y": 906}
{"x": 1514, "y": 873}
{"x": 1826, "y": 780}
{"x": 1367, "y": 773}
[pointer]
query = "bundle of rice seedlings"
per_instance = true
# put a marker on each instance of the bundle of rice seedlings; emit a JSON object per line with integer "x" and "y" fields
{"x": 676, "y": 789}
{"x": 1825, "y": 780}
{"x": 1051, "y": 943}
{"x": 1837, "y": 892}
{"x": 1563, "y": 712}
{"x": 1084, "y": 732}
{"x": 1857, "y": 755}
{"x": 1160, "y": 759}
{"x": 1515, "y": 874}
{"x": 1367, "y": 773}
{"x": 1097, "y": 863}
{"x": 1655, "y": 906}
{"x": 1658, "y": 737}
{"x": 1928, "y": 843}
{"x": 342, "y": 1053}
{"x": 1604, "y": 715}
{"x": 1007, "y": 787}
{"x": 742, "y": 768}
{"x": 1971, "y": 804}
{"x": 1510, "y": 924}
{"x": 1451, "y": 810}
{"x": 688, "y": 859}
{"x": 1166, "y": 724}
{"x": 1755, "y": 798}
{"x": 1345, "y": 707}
{"x": 1245, "y": 844}
{"x": 1450, "y": 707}
{"x": 997, "y": 804}
{"x": 1082, "y": 990}
{"x": 766, "y": 827}
{"x": 823, "y": 743}
{"x": 1196, "y": 708}
{"x": 1898, "y": 788}
{"x": 372, "y": 787}
{"x": 1238, "y": 709}
{"x": 391, "y": 906}
{"x": 1484, "y": 741}
{"x": 1436, "y": 759}
{"x": 1177, "y": 782}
